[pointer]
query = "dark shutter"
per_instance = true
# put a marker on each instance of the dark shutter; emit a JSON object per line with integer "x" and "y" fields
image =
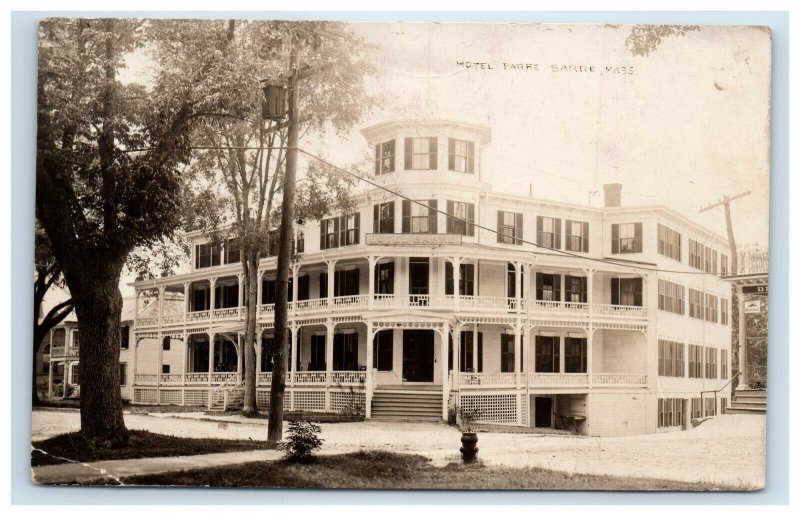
{"x": 408, "y": 161}
{"x": 584, "y": 293}
{"x": 376, "y": 221}
{"x": 357, "y": 222}
{"x": 471, "y": 218}
{"x": 391, "y": 216}
{"x": 637, "y": 294}
{"x": 322, "y": 229}
{"x": 303, "y": 288}
{"x": 637, "y": 237}
{"x": 391, "y": 155}
{"x": 342, "y": 230}
{"x": 377, "y": 159}
{"x": 539, "y": 227}
{"x": 433, "y": 157}
{"x": 450, "y": 209}
{"x": 480, "y": 352}
{"x": 406, "y": 216}
{"x": 196, "y": 256}
{"x": 470, "y": 157}
{"x": 518, "y": 229}
{"x": 323, "y": 285}
{"x": 433, "y": 215}
{"x": 557, "y": 232}
{"x": 451, "y": 154}
{"x": 614, "y": 239}
{"x": 500, "y": 233}
{"x": 585, "y": 236}
{"x": 539, "y": 283}
{"x": 336, "y": 227}
{"x": 448, "y": 278}
{"x": 557, "y": 287}
{"x": 614, "y": 291}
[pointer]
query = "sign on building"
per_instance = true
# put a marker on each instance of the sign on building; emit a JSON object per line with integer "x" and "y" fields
{"x": 752, "y": 307}
{"x": 413, "y": 239}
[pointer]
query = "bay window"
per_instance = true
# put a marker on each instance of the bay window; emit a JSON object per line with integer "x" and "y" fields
{"x": 420, "y": 153}
{"x": 461, "y": 156}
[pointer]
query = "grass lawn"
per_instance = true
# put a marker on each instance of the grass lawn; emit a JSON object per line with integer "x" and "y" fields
{"x": 380, "y": 469}
{"x": 73, "y": 447}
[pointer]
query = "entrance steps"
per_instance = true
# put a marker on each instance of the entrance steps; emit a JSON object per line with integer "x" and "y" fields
{"x": 748, "y": 401}
{"x": 408, "y": 404}
{"x": 234, "y": 400}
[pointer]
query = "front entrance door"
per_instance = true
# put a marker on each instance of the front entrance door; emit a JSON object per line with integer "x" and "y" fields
{"x": 418, "y": 280}
{"x": 418, "y": 355}
{"x": 543, "y": 412}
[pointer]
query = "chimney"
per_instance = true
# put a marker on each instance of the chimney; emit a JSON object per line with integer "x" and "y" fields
{"x": 613, "y": 194}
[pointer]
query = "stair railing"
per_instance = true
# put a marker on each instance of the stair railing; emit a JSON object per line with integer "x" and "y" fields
{"x": 219, "y": 388}
{"x": 715, "y": 391}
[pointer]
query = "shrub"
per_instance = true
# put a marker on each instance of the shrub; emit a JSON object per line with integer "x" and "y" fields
{"x": 302, "y": 440}
{"x": 470, "y": 416}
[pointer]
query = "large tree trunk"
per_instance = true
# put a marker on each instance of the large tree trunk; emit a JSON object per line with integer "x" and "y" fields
{"x": 98, "y": 306}
{"x": 250, "y": 406}
{"x": 38, "y": 337}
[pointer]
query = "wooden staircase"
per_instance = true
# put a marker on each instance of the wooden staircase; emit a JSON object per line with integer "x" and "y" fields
{"x": 748, "y": 401}
{"x": 228, "y": 399}
{"x": 411, "y": 405}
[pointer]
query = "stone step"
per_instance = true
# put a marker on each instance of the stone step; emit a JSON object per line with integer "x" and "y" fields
{"x": 744, "y": 410}
{"x": 749, "y": 405}
{"x": 749, "y": 400}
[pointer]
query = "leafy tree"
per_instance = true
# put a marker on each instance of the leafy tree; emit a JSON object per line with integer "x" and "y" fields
{"x": 645, "y": 39}
{"x": 107, "y": 176}
{"x": 236, "y": 175}
{"x": 47, "y": 275}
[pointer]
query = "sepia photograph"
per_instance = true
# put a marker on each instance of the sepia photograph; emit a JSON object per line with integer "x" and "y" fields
{"x": 401, "y": 255}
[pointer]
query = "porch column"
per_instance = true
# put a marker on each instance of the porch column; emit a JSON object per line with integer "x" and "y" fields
{"x": 50, "y": 377}
{"x": 133, "y": 358}
{"x": 160, "y": 363}
{"x": 185, "y": 355}
{"x": 370, "y": 371}
{"x": 373, "y": 262}
{"x": 211, "y": 337}
{"x": 186, "y": 308}
{"x": 240, "y": 296}
{"x": 517, "y": 346}
{"x": 161, "y": 292}
{"x": 293, "y": 336}
{"x": 331, "y": 273}
{"x": 456, "y": 354}
{"x": 135, "y": 310}
{"x": 239, "y": 356}
{"x": 589, "y": 348}
{"x": 743, "y": 378}
{"x": 259, "y": 334}
{"x": 518, "y": 293}
{"x": 456, "y": 283}
{"x": 329, "y": 328}
{"x": 259, "y": 290}
{"x": 475, "y": 348}
{"x": 295, "y": 291}
{"x": 445, "y": 339}
{"x": 212, "y": 285}
{"x": 590, "y": 290}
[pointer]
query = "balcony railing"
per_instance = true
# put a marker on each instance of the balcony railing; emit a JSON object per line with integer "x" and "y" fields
{"x": 619, "y": 379}
{"x": 489, "y": 379}
{"x": 558, "y": 379}
{"x": 63, "y": 351}
{"x": 620, "y": 310}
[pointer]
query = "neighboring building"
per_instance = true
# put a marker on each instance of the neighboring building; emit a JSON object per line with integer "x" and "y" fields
{"x": 409, "y": 311}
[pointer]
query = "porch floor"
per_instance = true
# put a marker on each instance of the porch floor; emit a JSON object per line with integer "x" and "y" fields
{"x": 409, "y": 387}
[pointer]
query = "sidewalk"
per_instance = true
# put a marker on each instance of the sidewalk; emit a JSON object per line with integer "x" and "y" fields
{"x": 113, "y": 470}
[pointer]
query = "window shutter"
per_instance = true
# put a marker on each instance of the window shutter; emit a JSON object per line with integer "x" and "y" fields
{"x": 376, "y": 221}
{"x": 450, "y": 210}
{"x": 391, "y": 278}
{"x": 539, "y": 226}
{"x": 433, "y": 158}
{"x": 539, "y": 281}
{"x": 518, "y": 229}
{"x": 470, "y": 157}
{"x": 406, "y": 216}
{"x": 323, "y": 285}
{"x": 500, "y": 234}
{"x": 637, "y": 235}
{"x": 614, "y": 240}
{"x": 480, "y": 352}
{"x": 585, "y": 237}
{"x": 408, "y": 143}
{"x": 557, "y": 286}
{"x": 342, "y": 220}
{"x": 322, "y": 228}
{"x": 637, "y": 295}
{"x": 557, "y": 232}
{"x": 451, "y": 154}
{"x": 584, "y": 298}
{"x": 391, "y": 156}
{"x": 448, "y": 278}
{"x": 377, "y": 159}
{"x": 471, "y": 218}
{"x": 336, "y": 227}
{"x": 196, "y": 256}
{"x": 433, "y": 217}
{"x": 391, "y": 216}
{"x": 358, "y": 228}
{"x": 614, "y": 291}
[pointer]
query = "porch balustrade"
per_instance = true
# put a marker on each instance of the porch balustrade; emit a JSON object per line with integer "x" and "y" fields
{"x": 620, "y": 310}
{"x": 349, "y": 377}
{"x": 172, "y": 319}
{"x": 62, "y": 351}
{"x": 558, "y": 379}
{"x": 350, "y": 301}
{"x": 227, "y": 313}
{"x": 561, "y": 307}
{"x": 200, "y": 315}
{"x": 619, "y": 379}
{"x": 489, "y": 379}
{"x": 310, "y": 377}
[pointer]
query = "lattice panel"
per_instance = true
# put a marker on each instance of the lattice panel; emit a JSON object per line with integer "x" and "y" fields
{"x": 309, "y": 400}
{"x": 170, "y": 396}
{"x": 262, "y": 399}
{"x": 196, "y": 397}
{"x": 498, "y": 408}
{"x": 145, "y": 395}
{"x": 343, "y": 399}
{"x": 523, "y": 409}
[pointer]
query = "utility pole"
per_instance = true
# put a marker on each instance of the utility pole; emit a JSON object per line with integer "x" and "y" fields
{"x": 280, "y": 345}
{"x": 726, "y": 202}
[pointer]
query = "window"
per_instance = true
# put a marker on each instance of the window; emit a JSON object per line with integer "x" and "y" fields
{"x": 383, "y": 218}
{"x": 299, "y": 242}
{"x": 384, "y": 157}
{"x": 384, "y": 275}
{"x": 165, "y": 343}
{"x": 509, "y": 228}
{"x": 511, "y": 282}
{"x": 345, "y": 282}
{"x": 670, "y": 358}
{"x": 201, "y": 298}
{"x": 695, "y": 361}
{"x": 670, "y": 297}
{"x": 349, "y": 226}
{"x": 507, "y": 353}
{"x": 75, "y": 380}
{"x": 383, "y": 350}
{"x": 232, "y": 252}
{"x": 577, "y": 236}
{"x": 723, "y": 303}
{"x": 710, "y": 406}
{"x": 711, "y": 308}
{"x": 723, "y": 264}
{"x": 709, "y": 259}
{"x": 669, "y": 242}
{"x": 697, "y": 407}
{"x": 328, "y": 233}
{"x": 670, "y": 412}
{"x": 575, "y": 289}
{"x": 723, "y": 364}
{"x": 696, "y": 303}
{"x": 226, "y": 296}
{"x": 461, "y": 156}
{"x": 467, "y": 353}
{"x": 626, "y": 291}
{"x": 421, "y": 153}
{"x": 547, "y": 354}
{"x": 460, "y": 218}
{"x": 165, "y": 369}
{"x": 695, "y": 255}
{"x": 548, "y": 287}
{"x": 124, "y": 337}
{"x": 123, "y": 374}
{"x": 345, "y": 352}
{"x": 626, "y": 238}
{"x": 466, "y": 281}
{"x": 317, "y": 362}
{"x": 303, "y": 288}
{"x": 206, "y": 255}
{"x": 575, "y": 355}
{"x": 548, "y": 232}
{"x": 711, "y": 362}
{"x": 419, "y": 218}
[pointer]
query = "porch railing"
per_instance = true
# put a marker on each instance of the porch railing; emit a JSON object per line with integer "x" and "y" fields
{"x": 619, "y": 379}
{"x": 348, "y": 377}
{"x": 200, "y": 315}
{"x": 558, "y": 379}
{"x": 63, "y": 351}
{"x": 489, "y": 379}
{"x": 619, "y": 310}
{"x": 310, "y": 377}
{"x": 227, "y": 313}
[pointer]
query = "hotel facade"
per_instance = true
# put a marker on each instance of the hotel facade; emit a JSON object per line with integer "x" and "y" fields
{"x": 436, "y": 292}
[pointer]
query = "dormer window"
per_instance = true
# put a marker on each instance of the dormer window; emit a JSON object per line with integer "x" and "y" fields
{"x": 461, "y": 156}
{"x": 384, "y": 157}
{"x": 421, "y": 153}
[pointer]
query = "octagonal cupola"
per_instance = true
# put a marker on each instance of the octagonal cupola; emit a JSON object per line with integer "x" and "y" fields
{"x": 418, "y": 152}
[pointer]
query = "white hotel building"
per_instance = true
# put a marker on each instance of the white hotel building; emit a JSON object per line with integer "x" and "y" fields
{"x": 607, "y": 320}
